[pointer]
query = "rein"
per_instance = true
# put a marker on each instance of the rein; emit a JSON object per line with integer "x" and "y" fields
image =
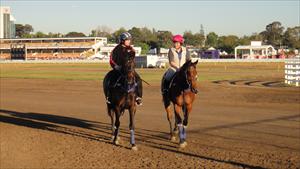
{"x": 145, "y": 82}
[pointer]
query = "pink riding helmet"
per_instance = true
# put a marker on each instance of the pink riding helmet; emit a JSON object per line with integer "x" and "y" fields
{"x": 178, "y": 38}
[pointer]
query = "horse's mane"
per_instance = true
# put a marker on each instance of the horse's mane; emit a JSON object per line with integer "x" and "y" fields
{"x": 185, "y": 66}
{"x": 130, "y": 52}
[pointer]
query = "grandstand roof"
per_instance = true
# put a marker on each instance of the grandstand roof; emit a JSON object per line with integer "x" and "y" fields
{"x": 253, "y": 47}
{"x": 64, "y": 38}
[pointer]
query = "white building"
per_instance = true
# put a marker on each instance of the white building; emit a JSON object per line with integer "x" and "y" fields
{"x": 7, "y": 23}
{"x": 255, "y": 50}
{"x": 148, "y": 61}
{"x": 103, "y": 51}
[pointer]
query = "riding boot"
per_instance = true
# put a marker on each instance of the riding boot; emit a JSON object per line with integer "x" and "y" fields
{"x": 139, "y": 90}
{"x": 110, "y": 83}
{"x": 107, "y": 93}
{"x": 108, "y": 99}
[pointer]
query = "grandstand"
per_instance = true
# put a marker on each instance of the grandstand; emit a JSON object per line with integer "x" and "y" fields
{"x": 49, "y": 48}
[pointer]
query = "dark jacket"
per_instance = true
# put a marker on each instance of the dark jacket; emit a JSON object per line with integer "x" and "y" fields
{"x": 120, "y": 54}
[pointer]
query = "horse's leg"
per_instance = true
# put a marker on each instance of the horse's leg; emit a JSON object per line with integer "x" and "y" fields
{"x": 117, "y": 126}
{"x": 187, "y": 108}
{"x": 175, "y": 130}
{"x": 112, "y": 119}
{"x": 168, "y": 108}
{"x": 178, "y": 109}
{"x": 170, "y": 116}
{"x": 132, "y": 127}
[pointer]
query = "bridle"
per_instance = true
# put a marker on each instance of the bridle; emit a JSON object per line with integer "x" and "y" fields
{"x": 189, "y": 82}
{"x": 130, "y": 84}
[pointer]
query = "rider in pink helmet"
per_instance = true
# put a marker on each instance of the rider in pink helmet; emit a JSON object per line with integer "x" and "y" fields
{"x": 177, "y": 56}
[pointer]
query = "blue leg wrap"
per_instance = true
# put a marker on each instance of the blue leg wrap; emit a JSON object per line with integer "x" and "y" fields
{"x": 132, "y": 140}
{"x": 181, "y": 133}
{"x": 184, "y": 133}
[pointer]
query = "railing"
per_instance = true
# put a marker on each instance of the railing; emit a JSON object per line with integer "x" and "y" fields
{"x": 292, "y": 71}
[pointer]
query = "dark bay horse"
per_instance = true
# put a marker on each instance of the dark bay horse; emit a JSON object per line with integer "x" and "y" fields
{"x": 182, "y": 96}
{"x": 123, "y": 97}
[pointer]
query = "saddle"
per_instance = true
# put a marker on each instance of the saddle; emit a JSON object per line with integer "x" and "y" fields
{"x": 167, "y": 84}
{"x": 118, "y": 81}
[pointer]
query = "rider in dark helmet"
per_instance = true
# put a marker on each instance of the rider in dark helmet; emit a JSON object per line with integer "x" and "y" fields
{"x": 116, "y": 62}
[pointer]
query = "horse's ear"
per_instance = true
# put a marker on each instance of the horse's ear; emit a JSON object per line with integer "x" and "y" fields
{"x": 195, "y": 63}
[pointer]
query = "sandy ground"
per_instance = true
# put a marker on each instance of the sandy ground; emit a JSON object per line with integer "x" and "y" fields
{"x": 63, "y": 124}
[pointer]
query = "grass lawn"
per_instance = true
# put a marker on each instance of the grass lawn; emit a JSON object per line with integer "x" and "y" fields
{"x": 97, "y": 71}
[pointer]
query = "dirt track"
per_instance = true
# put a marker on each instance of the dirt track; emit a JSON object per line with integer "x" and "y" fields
{"x": 63, "y": 124}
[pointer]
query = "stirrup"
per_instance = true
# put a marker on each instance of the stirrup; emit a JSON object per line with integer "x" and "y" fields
{"x": 194, "y": 90}
{"x": 138, "y": 101}
{"x": 165, "y": 91}
{"x": 107, "y": 100}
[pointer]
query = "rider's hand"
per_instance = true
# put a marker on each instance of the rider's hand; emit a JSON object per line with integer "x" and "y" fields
{"x": 117, "y": 67}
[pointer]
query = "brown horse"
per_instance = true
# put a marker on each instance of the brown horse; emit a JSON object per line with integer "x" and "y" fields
{"x": 182, "y": 94}
{"x": 123, "y": 97}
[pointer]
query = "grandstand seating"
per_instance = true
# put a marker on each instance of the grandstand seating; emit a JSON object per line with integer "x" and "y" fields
{"x": 4, "y": 56}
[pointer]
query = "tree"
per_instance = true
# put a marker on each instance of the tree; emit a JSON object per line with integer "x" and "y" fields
{"x": 164, "y": 39}
{"x": 75, "y": 34}
{"x": 40, "y": 34}
{"x": 273, "y": 33}
{"x": 149, "y": 37}
{"x": 228, "y": 43}
{"x": 54, "y": 35}
{"x": 136, "y": 34}
{"x": 199, "y": 40}
{"x": 145, "y": 47}
{"x": 116, "y": 35}
{"x": 102, "y": 31}
{"x": 212, "y": 39}
{"x": 291, "y": 37}
{"x": 23, "y": 30}
{"x": 144, "y": 37}
{"x": 188, "y": 37}
{"x": 256, "y": 37}
{"x": 28, "y": 28}
{"x": 245, "y": 40}
{"x": 195, "y": 40}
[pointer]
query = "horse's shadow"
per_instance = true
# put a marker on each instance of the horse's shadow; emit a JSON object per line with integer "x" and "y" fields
{"x": 98, "y": 131}
{"x": 76, "y": 127}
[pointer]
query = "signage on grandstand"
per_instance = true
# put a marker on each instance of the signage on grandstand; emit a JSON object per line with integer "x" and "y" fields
{"x": 18, "y": 51}
{"x": 255, "y": 43}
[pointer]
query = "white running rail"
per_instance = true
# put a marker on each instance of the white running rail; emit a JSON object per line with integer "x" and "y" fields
{"x": 292, "y": 71}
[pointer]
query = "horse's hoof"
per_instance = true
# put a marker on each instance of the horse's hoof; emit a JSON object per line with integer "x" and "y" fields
{"x": 134, "y": 148}
{"x": 183, "y": 145}
{"x": 113, "y": 138}
{"x": 117, "y": 141}
{"x": 173, "y": 139}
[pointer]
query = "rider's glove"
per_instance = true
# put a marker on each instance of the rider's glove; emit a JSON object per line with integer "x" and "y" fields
{"x": 117, "y": 67}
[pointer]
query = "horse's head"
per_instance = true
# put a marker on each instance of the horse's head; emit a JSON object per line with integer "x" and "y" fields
{"x": 129, "y": 66}
{"x": 189, "y": 71}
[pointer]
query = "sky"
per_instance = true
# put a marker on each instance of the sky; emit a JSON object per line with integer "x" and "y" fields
{"x": 225, "y": 17}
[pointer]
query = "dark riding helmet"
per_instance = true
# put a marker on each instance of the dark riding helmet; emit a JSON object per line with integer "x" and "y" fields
{"x": 125, "y": 36}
